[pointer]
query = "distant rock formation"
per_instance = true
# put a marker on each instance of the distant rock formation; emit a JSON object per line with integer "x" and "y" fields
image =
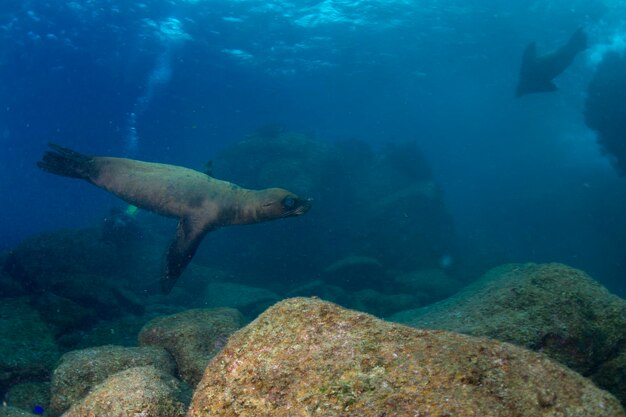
{"x": 382, "y": 204}
{"x": 605, "y": 108}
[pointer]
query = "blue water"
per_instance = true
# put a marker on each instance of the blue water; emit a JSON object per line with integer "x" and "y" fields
{"x": 177, "y": 81}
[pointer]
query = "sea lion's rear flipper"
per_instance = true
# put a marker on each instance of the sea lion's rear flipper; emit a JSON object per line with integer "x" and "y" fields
{"x": 66, "y": 162}
{"x": 578, "y": 41}
{"x": 189, "y": 234}
{"x": 527, "y": 71}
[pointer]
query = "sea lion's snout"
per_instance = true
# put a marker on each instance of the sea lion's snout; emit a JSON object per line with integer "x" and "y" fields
{"x": 296, "y": 206}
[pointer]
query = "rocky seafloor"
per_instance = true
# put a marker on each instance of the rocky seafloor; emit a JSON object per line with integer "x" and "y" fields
{"x": 525, "y": 340}
{"x": 272, "y": 321}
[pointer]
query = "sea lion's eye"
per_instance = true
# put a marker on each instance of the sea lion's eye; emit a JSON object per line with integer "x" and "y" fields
{"x": 289, "y": 202}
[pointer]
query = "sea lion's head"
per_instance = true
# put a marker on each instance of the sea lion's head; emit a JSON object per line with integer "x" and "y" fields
{"x": 276, "y": 203}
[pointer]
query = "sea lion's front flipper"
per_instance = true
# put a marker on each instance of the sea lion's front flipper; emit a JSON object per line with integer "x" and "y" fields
{"x": 189, "y": 234}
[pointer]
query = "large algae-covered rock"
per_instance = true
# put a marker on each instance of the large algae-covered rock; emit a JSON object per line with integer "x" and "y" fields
{"x": 307, "y": 357}
{"x": 81, "y": 370}
{"x": 142, "y": 391}
{"x": 27, "y": 347}
{"x": 551, "y": 308}
{"x": 192, "y": 337}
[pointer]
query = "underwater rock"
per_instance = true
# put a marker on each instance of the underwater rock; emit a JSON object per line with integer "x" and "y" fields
{"x": 356, "y": 272}
{"x": 192, "y": 337}
{"x": 8, "y": 411}
{"x": 432, "y": 284}
{"x": 605, "y": 112}
{"x": 120, "y": 331}
{"x": 28, "y": 350}
{"x": 141, "y": 391}
{"x": 28, "y": 395}
{"x": 244, "y": 298}
{"x": 309, "y": 357}
{"x": 94, "y": 292}
{"x": 551, "y": 308}
{"x": 611, "y": 376}
{"x": 320, "y": 289}
{"x": 37, "y": 260}
{"x": 10, "y": 288}
{"x": 80, "y": 371}
{"x": 62, "y": 314}
{"x": 382, "y": 204}
{"x": 382, "y": 305}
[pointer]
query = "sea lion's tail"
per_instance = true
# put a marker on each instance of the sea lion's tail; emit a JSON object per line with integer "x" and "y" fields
{"x": 578, "y": 41}
{"x": 66, "y": 162}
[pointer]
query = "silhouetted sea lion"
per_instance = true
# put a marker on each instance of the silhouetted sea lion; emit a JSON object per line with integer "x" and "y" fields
{"x": 202, "y": 203}
{"x": 537, "y": 72}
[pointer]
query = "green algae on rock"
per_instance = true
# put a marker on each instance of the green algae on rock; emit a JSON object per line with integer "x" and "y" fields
{"x": 192, "y": 337}
{"x": 80, "y": 371}
{"x": 141, "y": 391}
{"x": 552, "y": 308}
{"x": 305, "y": 357}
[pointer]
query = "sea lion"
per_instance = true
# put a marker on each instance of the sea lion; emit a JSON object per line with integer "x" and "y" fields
{"x": 200, "y": 202}
{"x": 537, "y": 72}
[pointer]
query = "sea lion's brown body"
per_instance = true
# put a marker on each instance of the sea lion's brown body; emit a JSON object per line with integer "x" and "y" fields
{"x": 202, "y": 203}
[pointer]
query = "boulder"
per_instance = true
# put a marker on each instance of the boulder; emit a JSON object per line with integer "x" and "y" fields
{"x": 27, "y": 350}
{"x": 244, "y": 298}
{"x": 141, "y": 391}
{"x": 611, "y": 376}
{"x": 381, "y": 305}
{"x": 551, "y": 308}
{"x": 318, "y": 288}
{"x": 192, "y": 337}
{"x": 37, "y": 260}
{"x": 80, "y": 371}
{"x": 310, "y": 357}
{"x": 356, "y": 272}
{"x": 432, "y": 284}
{"x": 28, "y": 395}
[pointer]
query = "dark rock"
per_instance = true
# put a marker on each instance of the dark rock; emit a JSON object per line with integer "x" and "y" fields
{"x": 63, "y": 314}
{"x": 240, "y": 297}
{"x": 96, "y": 293}
{"x": 28, "y": 395}
{"x": 431, "y": 284}
{"x": 192, "y": 337}
{"x": 28, "y": 350}
{"x": 120, "y": 331}
{"x": 611, "y": 376}
{"x": 382, "y": 305}
{"x": 38, "y": 260}
{"x": 10, "y": 288}
{"x": 322, "y": 290}
{"x": 605, "y": 111}
{"x": 356, "y": 272}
